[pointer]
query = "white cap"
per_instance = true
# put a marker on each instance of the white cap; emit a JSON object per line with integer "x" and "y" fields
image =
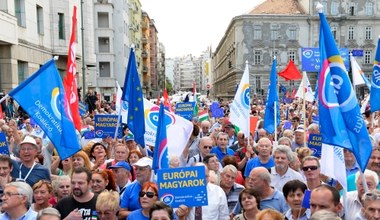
{"x": 143, "y": 162}
{"x": 29, "y": 140}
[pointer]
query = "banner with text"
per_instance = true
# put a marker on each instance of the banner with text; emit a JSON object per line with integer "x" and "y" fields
{"x": 315, "y": 144}
{"x": 185, "y": 185}
{"x": 185, "y": 110}
{"x": 311, "y": 59}
{"x": 105, "y": 126}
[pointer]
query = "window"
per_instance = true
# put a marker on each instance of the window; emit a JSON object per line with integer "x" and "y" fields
{"x": 61, "y": 26}
{"x": 324, "y": 3}
{"x": 257, "y": 32}
{"x": 104, "y": 69}
{"x": 292, "y": 55}
{"x": 334, "y": 8}
{"x": 257, "y": 57}
{"x": 292, "y": 33}
{"x": 103, "y": 20}
{"x": 40, "y": 20}
{"x": 333, "y": 31}
{"x": 351, "y": 33}
{"x": 367, "y": 57}
{"x": 104, "y": 44}
{"x": 4, "y": 6}
{"x": 20, "y": 12}
{"x": 368, "y": 33}
{"x": 22, "y": 70}
{"x": 351, "y": 9}
{"x": 369, "y": 8}
{"x": 274, "y": 32}
{"x": 258, "y": 83}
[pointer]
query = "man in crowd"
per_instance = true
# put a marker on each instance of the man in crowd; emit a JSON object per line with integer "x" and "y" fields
{"x": 82, "y": 203}
{"x": 205, "y": 129}
{"x": 281, "y": 173}
{"x": 221, "y": 149}
{"x": 130, "y": 199}
{"x": 311, "y": 169}
{"x": 17, "y": 198}
{"x": 205, "y": 146}
{"x": 230, "y": 130}
{"x": 122, "y": 172}
{"x": 350, "y": 161}
{"x": 27, "y": 169}
{"x": 298, "y": 137}
{"x": 371, "y": 206}
{"x": 325, "y": 197}
{"x": 240, "y": 141}
{"x": 227, "y": 183}
{"x": 264, "y": 158}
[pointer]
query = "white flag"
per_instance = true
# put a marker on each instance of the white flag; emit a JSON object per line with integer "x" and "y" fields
{"x": 240, "y": 107}
{"x": 357, "y": 73}
{"x": 332, "y": 163}
{"x": 178, "y": 128}
{"x": 309, "y": 94}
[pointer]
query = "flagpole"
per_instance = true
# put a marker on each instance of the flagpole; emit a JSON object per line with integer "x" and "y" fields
{"x": 304, "y": 108}
{"x": 4, "y": 98}
{"x": 275, "y": 124}
{"x": 118, "y": 116}
{"x": 249, "y": 111}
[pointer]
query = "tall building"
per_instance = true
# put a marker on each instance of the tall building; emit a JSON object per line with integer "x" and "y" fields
{"x": 187, "y": 70}
{"x": 283, "y": 28}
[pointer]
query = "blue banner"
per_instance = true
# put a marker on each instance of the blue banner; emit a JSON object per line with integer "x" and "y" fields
{"x": 3, "y": 144}
{"x": 315, "y": 144}
{"x": 82, "y": 108}
{"x": 185, "y": 185}
{"x": 105, "y": 126}
{"x": 185, "y": 110}
{"x": 357, "y": 53}
{"x": 311, "y": 59}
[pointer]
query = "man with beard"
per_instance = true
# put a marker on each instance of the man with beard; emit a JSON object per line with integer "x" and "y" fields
{"x": 82, "y": 204}
{"x": 281, "y": 173}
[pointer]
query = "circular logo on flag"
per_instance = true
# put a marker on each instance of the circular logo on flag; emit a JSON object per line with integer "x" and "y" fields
{"x": 245, "y": 96}
{"x": 167, "y": 198}
{"x": 151, "y": 117}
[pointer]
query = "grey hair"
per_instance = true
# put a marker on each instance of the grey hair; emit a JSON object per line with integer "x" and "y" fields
{"x": 324, "y": 215}
{"x": 229, "y": 167}
{"x": 55, "y": 183}
{"x": 48, "y": 211}
{"x": 368, "y": 173}
{"x": 285, "y": 150}
{"x": 23, "y": 189}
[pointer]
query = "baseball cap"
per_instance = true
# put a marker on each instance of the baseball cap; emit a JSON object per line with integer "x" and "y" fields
{"x": 121, "y": 164}
{"x": 229, "y": 125}
{"x": 143, "y": 162}
{"x": 130, "y": 137}
{"x": 29, "y": 140}
{"x": 300, "y": 129}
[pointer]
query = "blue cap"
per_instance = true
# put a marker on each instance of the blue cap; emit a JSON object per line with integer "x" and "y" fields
{"x": 130, "y": 137}
{"x": 121, "y": 164}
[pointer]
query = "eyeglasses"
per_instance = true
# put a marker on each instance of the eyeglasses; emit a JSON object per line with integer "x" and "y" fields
{"x": 309, "y": 168}
{"x": 10, "y": 194}
{"x": 148, "y": 194}
{"x": 209, "y": 147}
{"x": 372, "y": 196}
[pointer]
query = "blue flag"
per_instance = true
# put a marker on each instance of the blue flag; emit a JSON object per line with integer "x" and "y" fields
{"x": 272, "y": 102}
{"x": 340, "y": 120}
{"x": 374, "y": 98}
{"x": 43, "y": 97}
{"x": 160, "y": 155}
{"x": 132, "y": 93}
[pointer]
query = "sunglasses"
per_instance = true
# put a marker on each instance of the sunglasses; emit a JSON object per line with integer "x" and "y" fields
{"x": 148, "y": 194}
{"x": 205, "y": 147}
{"x": 309, "y": 168}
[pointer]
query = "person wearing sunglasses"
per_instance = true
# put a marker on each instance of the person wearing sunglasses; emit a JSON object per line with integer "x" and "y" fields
{"x": 205, "y": 146}
{"x": 311, "y": 170}
{"x": 371, "y": 206}
{"x": 148, "y": 196}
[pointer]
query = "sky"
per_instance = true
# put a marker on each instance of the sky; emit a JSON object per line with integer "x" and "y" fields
{"x": 190, "y": 26}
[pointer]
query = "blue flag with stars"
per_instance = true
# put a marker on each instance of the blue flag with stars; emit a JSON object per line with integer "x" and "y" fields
{"x": 132, "y": 93}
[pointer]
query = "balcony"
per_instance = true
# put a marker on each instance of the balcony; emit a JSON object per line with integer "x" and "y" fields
{"x": 144, "y": 54}
{"x": 145, "y": 69}
{"x": 144, "y": 25}
{"x": 144, "y": 40}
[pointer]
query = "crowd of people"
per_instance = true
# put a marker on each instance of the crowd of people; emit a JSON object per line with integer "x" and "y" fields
{"x": 255, "y": 177}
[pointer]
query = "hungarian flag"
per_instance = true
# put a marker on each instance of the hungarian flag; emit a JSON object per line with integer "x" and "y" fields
{"x": 290, "y": 72}
{"x": 195, "y": 99}
{"x": 203, "y": 115}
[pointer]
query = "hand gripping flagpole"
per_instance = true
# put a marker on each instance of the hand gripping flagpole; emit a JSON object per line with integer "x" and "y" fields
{"x": 118, "y": 116}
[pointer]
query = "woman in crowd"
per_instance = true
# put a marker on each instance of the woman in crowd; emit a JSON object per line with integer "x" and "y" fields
{"x": 81, "y": 159}
{"x": 103, "y": 179}
{"x": 148, "y": 196}
{"x": 41, "y": 194}
{"x": 134, "y": 156}
{"x": 107, "y": 205}
{"x": 98, "y": 154}
{"x": 293, "y": 192}
{"x": 61, "y": 167}
{"x": 250, "y": 203}
{"x": 61, "y": 189}
{"x": 160, "y": 211}
{"x": 271, "y": 214}
{"x": 49, "y": 214}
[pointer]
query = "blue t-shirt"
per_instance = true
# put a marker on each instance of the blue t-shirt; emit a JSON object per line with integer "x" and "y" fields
{"x": 137, "y": 215}
{"x": 255, "y": 162}
{"x": 219, "y": 154}
{"x": 130, "y": 197}
{"x": 39, "y": 172}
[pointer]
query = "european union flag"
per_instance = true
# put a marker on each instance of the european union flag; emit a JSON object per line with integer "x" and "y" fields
{"x": 160, "y": 155}
{"x": 341, "y": 123}
{"x": 374, "y": 98}
{"x": 132, "y": 93}
{"x": 272, "y": 102}
{"x": 43, "y": 97}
